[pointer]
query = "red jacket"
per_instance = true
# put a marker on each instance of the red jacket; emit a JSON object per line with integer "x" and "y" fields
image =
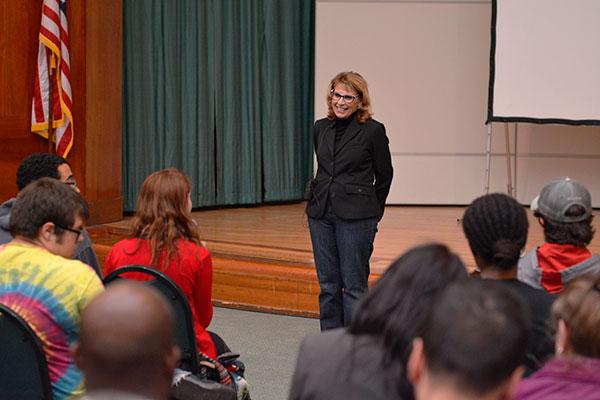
{"x": 191, "y": 270}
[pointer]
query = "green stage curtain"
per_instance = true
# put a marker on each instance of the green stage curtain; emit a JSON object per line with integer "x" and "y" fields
{"x": 223, "y": 90}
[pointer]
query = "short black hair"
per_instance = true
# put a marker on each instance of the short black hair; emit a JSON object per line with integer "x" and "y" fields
{"x": 578, "y": 234}
{"x": 45, "y": 200}
{"x": 38, "y": 165}
{"x": 476, "y": 335}
{"x": 395, "y": 308}
{"x": 496, "y": 228}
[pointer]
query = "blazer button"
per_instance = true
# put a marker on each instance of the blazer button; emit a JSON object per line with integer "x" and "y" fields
{"x": 332, "y": 195}
{"x": 331, "y": 179}
{"x": 359, "y": 190}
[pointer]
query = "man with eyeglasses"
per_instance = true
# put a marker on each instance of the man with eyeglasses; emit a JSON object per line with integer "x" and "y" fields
{"x": 39, "y": 279}
{"x": 40, "y": 165}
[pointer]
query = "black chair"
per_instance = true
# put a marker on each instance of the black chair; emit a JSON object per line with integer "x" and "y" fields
{"x": 23, "y": 369}
{"x": 185, "y": 336}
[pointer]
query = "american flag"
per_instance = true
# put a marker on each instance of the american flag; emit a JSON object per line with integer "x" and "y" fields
{"x": 53, "y": 52}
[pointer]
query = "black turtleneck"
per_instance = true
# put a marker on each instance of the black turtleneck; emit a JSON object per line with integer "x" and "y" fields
{"x": 341, "y": 125}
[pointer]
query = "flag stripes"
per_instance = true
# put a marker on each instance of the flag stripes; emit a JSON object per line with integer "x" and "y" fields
{"x": 53, "y": 54}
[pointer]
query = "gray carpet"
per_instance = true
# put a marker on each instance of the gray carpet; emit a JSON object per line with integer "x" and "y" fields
{"x": 268, "y": 345}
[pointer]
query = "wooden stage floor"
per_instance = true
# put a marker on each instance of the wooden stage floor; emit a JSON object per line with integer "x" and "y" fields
{"x": 262, "y": 255}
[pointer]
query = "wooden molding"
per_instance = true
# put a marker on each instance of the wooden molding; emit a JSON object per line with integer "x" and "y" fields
{"x": 95, "y": 33}
{"x": 105, "y": 210}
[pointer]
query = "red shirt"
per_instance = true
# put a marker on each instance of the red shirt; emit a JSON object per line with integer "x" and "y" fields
{"x": 554, "y": 258}
{"x": 191, "y": 271}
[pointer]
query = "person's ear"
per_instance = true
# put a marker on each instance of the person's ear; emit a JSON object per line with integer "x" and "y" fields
{"x": 45, "y": 232}
{"x": 562, "y": 338}
{"x": 172, "y": 359}
{"x": 510, "y": 386}
{"x": 416, "y": 362}
{"x": 479, "y": 262}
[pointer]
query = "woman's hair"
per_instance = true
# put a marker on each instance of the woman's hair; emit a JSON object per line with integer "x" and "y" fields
{"x": 162, "y": 215}
{"x": 496, "y": 228}
{"x": 397, "y": 306}
{"x": 355, "y": 81}
{"x": 579, "y": 307}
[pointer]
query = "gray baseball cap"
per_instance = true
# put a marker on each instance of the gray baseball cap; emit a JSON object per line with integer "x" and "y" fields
{"x": 558, "y": 196}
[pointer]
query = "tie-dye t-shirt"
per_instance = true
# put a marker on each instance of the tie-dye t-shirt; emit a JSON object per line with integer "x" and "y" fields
{"x": 49, "y": 292}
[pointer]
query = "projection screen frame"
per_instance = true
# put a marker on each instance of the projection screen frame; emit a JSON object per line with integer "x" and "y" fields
{"x": 490, "y": 111}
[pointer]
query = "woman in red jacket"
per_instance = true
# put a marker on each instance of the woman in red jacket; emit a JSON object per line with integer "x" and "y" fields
{"x": 165, "y": 237}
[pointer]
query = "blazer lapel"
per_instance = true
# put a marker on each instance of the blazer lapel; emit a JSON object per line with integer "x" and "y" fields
{"x": 351, "y": 132}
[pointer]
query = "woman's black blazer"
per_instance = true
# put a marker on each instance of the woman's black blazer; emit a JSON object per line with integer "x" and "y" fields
{"x": 356, "y": 175}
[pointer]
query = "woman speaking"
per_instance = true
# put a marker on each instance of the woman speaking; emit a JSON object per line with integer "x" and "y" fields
{"x": 347, "y": 196}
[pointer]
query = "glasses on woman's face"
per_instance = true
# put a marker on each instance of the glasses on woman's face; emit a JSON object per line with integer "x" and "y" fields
{"x": 346, "y": 97}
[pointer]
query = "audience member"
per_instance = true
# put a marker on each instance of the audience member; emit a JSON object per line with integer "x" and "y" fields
{"x": 165, "y": 237}
{"x": 564, "y": 210}
{"x": 47, "y": 165}
{"x": 496, "y": 228}
{"x": 369, "y": 359}
{"x": 472, "y": 345}
{"x": 125, "y": 347}
{"x": 38, "y": 281}
{"x": 575, "y": 372}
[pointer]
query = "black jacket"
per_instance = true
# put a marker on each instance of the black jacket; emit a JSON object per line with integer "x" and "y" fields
{"x": 336, "y": 365}
{"x": 357, "y": 177}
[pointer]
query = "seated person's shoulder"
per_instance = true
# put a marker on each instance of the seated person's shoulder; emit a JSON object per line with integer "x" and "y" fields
{"x": 189, "y": 248}
{"x": 336, "y": 337}
{"x": 337, "y": 344}
{"x": 71, "y": 268}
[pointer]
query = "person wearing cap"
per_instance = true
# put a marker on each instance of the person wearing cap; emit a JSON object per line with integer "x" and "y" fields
{"x": 564, "y": 210}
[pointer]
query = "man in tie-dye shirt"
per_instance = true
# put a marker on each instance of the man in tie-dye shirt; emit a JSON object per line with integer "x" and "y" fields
{"x": 40, "y": 280}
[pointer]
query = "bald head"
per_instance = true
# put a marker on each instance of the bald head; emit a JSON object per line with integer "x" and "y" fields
{"x": 126, "y": 340}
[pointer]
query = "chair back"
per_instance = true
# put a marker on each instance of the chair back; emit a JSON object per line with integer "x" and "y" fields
{"x": 185, "y": 336}
{"x": 23, "y": 368}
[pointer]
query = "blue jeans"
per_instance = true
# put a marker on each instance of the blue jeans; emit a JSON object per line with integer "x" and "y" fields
{"x": 341, "y": 249}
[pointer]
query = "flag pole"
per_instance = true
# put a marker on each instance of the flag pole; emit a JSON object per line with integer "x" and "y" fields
{"x": 52, "y": 73}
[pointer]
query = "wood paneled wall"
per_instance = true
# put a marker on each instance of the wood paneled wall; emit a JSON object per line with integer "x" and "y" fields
{"x": 95, "y": 29}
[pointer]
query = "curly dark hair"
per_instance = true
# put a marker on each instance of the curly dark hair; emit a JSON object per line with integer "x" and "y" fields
{"x": 578, "y": 234}
{"x": 496, "y": 228}
{"x": 38, "y": 165}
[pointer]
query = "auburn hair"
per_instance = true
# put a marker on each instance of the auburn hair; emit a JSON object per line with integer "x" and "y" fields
{"x": 354, "y": 81}
{"x": 162, "y": 216}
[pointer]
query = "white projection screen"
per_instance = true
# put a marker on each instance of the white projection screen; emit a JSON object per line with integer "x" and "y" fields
{"x": 545, "y": 62}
